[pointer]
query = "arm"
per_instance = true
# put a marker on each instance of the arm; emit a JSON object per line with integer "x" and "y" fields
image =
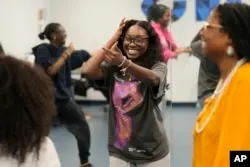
{"x": 235, "y": 126}
{"x": 78, "y": 57}
{"x": 196, "y": 48}
{"x": 92, "y": 68}
{"x": 168, "y": 54}
{"x": 115, "y": 57}
{"x": 153, "y": 76}
{"x": 45, "y": 59}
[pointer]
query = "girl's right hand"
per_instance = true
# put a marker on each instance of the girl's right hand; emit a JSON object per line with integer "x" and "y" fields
{"x": 118, "y": 32}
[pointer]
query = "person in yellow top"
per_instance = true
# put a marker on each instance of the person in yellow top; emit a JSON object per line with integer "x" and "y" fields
{"x": 224, "y": 123}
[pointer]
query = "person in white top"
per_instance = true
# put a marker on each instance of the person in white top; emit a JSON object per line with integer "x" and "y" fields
{"x": 27, "y": 107}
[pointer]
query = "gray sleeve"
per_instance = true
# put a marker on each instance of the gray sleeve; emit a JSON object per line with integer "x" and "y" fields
{"x": 160, "y": 69}
{"x": 197, "y": 49}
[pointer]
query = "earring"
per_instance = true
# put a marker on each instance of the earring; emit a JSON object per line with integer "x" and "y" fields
{"x": 230, "y": 51}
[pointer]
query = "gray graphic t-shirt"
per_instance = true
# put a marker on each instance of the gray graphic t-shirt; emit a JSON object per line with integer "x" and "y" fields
{"x": 136, "y": 132}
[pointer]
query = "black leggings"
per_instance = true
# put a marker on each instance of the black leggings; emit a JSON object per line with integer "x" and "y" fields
{"x": 70, "y": 114}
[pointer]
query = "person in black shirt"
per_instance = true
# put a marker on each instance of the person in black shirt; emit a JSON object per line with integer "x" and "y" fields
{"x": 58, "y": 61}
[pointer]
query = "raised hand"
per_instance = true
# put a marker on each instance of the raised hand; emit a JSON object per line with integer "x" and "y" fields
{"x": 118, "y": 32}
{"x": 70, "y": 49}
{"x": 114, "y": 56}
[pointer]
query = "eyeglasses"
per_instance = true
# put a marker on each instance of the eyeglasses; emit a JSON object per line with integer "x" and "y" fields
{"x": 136, "y": 41}
{"x": 207, "y": 25}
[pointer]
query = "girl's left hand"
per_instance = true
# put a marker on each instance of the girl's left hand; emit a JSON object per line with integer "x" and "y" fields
{"x": 114, "y": 56}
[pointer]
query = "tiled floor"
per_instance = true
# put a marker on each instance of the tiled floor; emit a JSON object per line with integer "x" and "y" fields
{"x": 179, "y": 123}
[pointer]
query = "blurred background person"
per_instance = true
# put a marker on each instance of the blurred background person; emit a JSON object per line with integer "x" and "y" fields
{"x": 160, "y": 17}
{"x": 209, "y": 73}
{"x": 58, "y": 61}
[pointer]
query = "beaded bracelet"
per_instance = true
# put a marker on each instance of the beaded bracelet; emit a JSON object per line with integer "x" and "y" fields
{"x": 123, "y": 70}
{"x": 123, "y": 61}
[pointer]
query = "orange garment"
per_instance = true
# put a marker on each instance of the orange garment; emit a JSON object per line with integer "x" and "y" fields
{"x": 229, "y": 126}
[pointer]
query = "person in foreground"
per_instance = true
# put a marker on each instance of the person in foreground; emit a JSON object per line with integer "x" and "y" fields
{"x": 27, "y": 107}
{"x": 135, "y": 74}
{"x": 58, "y": 61}
{"x": 224, "y": 123}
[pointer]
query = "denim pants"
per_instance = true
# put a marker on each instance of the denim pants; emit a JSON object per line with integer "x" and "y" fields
{"x": 71, "y": 115}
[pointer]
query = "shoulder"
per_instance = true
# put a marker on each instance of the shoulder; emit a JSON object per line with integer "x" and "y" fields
{"x": 242, "y": 76}
{"x": 196, "y": 44}
{"x": 48, "y": 155}
{"x": 161, "y": 65}
{"x": 240, "y": 85}
{"x": 48, "y": 142}
{"x": 41, "y": 46}
{"x": 40, "y": 49}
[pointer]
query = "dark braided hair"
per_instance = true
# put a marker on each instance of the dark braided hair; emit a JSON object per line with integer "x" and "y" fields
{"x": 48, "y": 31}
{"x": 27, "y": 107}
{"x": 235, "y": 19}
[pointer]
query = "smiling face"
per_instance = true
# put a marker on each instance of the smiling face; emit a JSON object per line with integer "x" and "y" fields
{"x": 166, "y": 18}
{"x": 215, "y": 39}
{"x": 135, "y": 42}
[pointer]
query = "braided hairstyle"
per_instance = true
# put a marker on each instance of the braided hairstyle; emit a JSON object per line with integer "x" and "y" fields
{"x": 235, "y": 19}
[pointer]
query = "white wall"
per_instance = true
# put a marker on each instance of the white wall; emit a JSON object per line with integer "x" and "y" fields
{"x": 90, "y": 23}
{"x": 19, "y": 25}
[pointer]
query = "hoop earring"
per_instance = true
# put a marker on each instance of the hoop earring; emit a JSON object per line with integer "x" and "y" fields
{"x": 230, "y": 51}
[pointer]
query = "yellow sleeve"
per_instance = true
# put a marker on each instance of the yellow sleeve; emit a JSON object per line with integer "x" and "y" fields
{"x": 235, "y": 130}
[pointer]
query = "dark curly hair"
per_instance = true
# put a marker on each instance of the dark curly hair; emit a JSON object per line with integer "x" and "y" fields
{"x": 235, "y": 20}
{"x": 154, "y": 51}
{"x": 27, "y": 106}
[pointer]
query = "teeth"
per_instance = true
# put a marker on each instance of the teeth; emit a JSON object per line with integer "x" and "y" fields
{"x": 132, "y": 51}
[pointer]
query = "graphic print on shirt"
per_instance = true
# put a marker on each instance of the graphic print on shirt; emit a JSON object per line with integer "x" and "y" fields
{"x": 126, "y": 97}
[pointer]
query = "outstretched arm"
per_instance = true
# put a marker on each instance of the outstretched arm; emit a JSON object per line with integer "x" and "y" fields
{"x": 92, "y": 68}
{"x": 51, "y": 66}
{"x": 116, "y": 58}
